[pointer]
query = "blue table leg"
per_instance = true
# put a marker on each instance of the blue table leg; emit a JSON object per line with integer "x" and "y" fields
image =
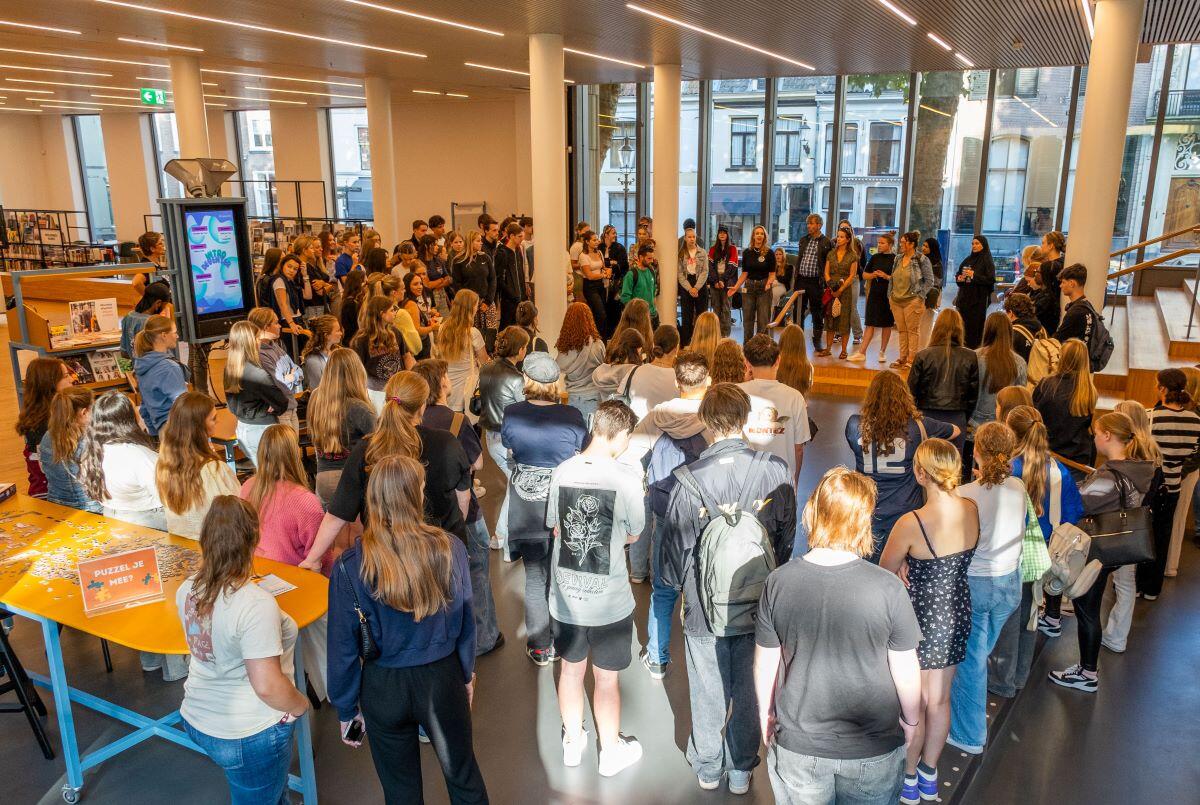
{"x": 307, "y": 783}
{"x": 62, "y": 705}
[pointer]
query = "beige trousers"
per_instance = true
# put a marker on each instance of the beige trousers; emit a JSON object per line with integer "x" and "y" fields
{"x": 908, "y": 324}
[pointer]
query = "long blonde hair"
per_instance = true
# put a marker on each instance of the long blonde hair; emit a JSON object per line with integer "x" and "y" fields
{"x": 183, "y": 451}
{"x": 64, "y": 426}
{"x": 243, "y": 350}
{"x": 406, "y": 564}
{"x": 838, "y": 513}
{"x": 454, "y": 336}
{"x": 1138, "y": 445}
{"x": 706, "y": 334}
{"x": 1148, "y": 447}
{"x": 396, "y": 431}
{"x": 794, "y": 368}
{"x": 278, "y": 462}
{"x": 343, "y": 384}
{"x": 1033, "y": 447}
{"x": 1075, "y": 365}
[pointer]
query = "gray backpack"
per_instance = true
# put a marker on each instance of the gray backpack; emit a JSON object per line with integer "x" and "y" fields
{"x": 734, "y": 556}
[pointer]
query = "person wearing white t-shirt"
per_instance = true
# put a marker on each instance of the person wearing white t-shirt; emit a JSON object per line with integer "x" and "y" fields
{"x": 239, "y": 704}
{"x": 994, "y": 577}
{"x": 654, "y": 382}
{"x": 778, "y": 413}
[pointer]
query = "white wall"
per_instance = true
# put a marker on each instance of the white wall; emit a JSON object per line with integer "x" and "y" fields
{"x": 38, "y": 167}
{"x": 300, "y": 141}
{"x": 132, "y": 186}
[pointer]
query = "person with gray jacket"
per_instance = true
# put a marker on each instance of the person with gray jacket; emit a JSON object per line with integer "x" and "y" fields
{"x": 693, "y": 283}
{"x": 911, "y": 280}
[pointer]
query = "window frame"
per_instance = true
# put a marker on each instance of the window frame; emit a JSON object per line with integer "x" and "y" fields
{"x": 893, "y": 143}
{"x": 740, "y": 140}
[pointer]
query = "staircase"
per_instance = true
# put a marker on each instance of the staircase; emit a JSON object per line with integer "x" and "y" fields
{"x": 1150, "y": 334}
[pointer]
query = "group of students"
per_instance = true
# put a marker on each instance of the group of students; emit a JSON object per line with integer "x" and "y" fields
{"x": 629, "y": 457}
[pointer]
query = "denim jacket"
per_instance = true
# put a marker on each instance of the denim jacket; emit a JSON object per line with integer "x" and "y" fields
{"x": 921, "y": 278}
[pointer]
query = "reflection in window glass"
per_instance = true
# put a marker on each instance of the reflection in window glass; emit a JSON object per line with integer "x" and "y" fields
{"x": 1005, "y": 194}
{"x": 256, "y": 160}
{"x": 804, "y": 112}
{"x": 350, "y": 149}
{"x": 608, "y": 150}
{"x": 166, "y": 142}
{"x": 1176, "y": 201}
{"x": 735, "y": 193}
{"x": 881, "y": 208}
{"x": 849, "y": 164}
{"x": 869, "y": 197}
{"x": 89, "y": 144}
{"x": 689, "y": 149}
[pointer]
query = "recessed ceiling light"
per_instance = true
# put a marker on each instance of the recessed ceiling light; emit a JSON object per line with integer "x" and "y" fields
{"x": 895, "y": 9}
{"x": 152, "y": 44}
{"x": 457, "y": 95}
{"x": 83, "y": 58}
{"x": 305, "y": 92}
{"x": 86, "y": 103}
{"x": 714, "y": 35}
{"x": 426, "y": 17}
{"x": 604, "y": 58}
{"x": 113, "y": 97}
{"x": 1087, "y": 16}
{"x": 72, "y": 108}
{"x": 942, "y": 43}
{"x": 963, "y": 59}
{"x": 34, "y": 91}
{"x": 263, "y": 28}
{"x": 257, "y": 100}
{"x": 261, "y": 76}
{"x": 17, "y": 109}
{"x": 53, "y": 70}
{"x": 168, "y": 81}
{"x": 426, "y": 92}
{"x": 65, "y": 84}
{"x": 478, "y": 66}
{"x": 41, "y": 27}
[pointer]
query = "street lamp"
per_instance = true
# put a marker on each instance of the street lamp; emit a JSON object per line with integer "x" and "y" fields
{"x": 625, "y": 163}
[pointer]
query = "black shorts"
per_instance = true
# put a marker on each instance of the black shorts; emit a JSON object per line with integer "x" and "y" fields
{"x": 610, "y": 646}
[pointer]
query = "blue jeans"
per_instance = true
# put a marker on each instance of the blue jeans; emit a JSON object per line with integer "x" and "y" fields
{"x": 497, "y": 451}
{"x": 802, "y": 779}
{"x": 725, "y": 730}
{"x": 993, "y": 600}
{"x": 256, "y": 766}
{"x": 662, "y": 604}
{"x": 586, "y": 406}
{"x": 478, "y": 553}
{"x": 639, "y": 552}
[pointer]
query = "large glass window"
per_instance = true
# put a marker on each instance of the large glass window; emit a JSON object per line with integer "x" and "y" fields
{"x": 849, "y": 165}
{"x": 804, "y": 110}
{"x": 735, "y": 192}
{"x": 881, "y": 207}
{"x": 1176, "y": 201}
{"x": 1004, "y": 202}
{"x": 845, "y": 205}
{"x": 743, "y": 142}
{"x": 883, "y": 157}
{"x": 789, "y": 141}
{"x": 350, "y": 154}
{"x": 166, "y": 148}
{"x": 689, "y": 150}
{"x": 89, "y": 144}
{"x": 256, "y": 160}
{"x": 606, "y": 150}
{"x": 869, "y": 196}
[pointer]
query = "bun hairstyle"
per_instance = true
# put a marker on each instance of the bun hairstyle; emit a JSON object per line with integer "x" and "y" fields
{"x": 1174, "y": 382}
{"x": 838, "y": 513}
{"x": 147, "y": 242}
{"x": 666, "y": 340}
{"x": 510, "y": 341}
{"x": 941, "y": 463}
{"x": 913, "y": 237}
{"x": 1056, "y": 240}
{"x": 994, "y": 448}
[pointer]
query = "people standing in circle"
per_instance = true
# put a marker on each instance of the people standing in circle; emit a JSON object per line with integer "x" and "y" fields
{"x": 580, "y": 350}
{"x": 936, "y": 544}
{"x": 944, "y": 378}
{"x": 911, "y": 279}
{"x": 976, "y": 280}
{"x": 693, "y": 282}
{"x": 326, "y": 337}
{"x": 190, "y": 473}
{"x": 722, "y": 274}
{"x": 161, "y": 378}
{"x": 878, "y": 274}
{"x": 755, "y": 281}
{"x": 596, "y": 277}
{"x": 251, "y": 393}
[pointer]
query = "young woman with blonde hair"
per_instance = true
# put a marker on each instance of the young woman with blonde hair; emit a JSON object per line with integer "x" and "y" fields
{"x": 380, "y": 347}
{"x": 1067, "y": 402}
{"x": 411, "y": 582}
{"x": 755, "y": 281}
{"x": 728, "y": 363}
{"x": 62, "y": 447}
{"x": 944, "y": 378}
{"x": 461, "y": 345}
{"x": 276, "y": 362}
{"x": 936, "y": 544}
{"x": 251, "y": 393}
{"x": 1011, "y": 397}
{"x": 580, "y": 350}
{"x": 340, "y": 415}
{"x": 794, "y": 367}
{"x": 706, "y": 335}
{"x": 399, "y": 432}
{"x": 326, "y": 337}
{"x": 161, "y": 378}
{"x": 190, "y": 473}
{"x": 692, "y": 281}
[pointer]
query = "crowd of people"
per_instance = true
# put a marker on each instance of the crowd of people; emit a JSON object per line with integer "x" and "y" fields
{"x": 853, "y": 630}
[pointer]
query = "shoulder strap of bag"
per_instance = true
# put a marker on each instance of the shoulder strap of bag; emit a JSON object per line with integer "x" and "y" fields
{"x": 1121, "y": 480}
{"x": 1024, "y": 331}
{"x": 629, "y": 382}
{"x": 757, "y": 466}
{"x": 689, "y": 480}
{"x": 341, "y": 563}
{"x": 921, "y": 427}
{"x": 456, "y": 422}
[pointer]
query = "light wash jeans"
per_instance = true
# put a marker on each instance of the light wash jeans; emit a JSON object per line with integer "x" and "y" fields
{"x": 808, "y": 780}
{"x": 662, "y": 604}
{"x": 478, "y": 554}
{"x": 639, "y": 551}
{"x": 248, "y": 437}
{"x": 725, "y": 728}
{"x": 499, "y": 454}
{"x": 587, "y": 407}
{"x": 1120, "y": 617}
{"x": 256, "y": 767}
{"x": 993, "y": 600}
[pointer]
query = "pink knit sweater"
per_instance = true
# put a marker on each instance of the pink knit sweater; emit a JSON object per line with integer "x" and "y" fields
{"x": 289, "y": 520}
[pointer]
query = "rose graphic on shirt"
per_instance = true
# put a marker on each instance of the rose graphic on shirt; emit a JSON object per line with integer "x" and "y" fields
{"x": 585, "y": 527}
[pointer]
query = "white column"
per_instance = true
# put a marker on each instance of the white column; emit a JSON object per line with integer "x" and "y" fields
{"x": 383, "y": 159}
{"x": 665, "y": 202}
{"x": 188, "y": 94}
{"x": 1102, "y": 142}
{"x": 548, "y": 167}
{"x": 132, "y": 185}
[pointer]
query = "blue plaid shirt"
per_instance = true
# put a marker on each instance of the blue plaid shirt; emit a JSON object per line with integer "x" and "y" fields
{"x": 808, "y": 260}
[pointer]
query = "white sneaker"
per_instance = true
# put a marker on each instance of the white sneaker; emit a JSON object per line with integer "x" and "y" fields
{"x": 615, "y": 759}
{"x": 882, "y": 358}
{"x": 573, "y": 750}
{"x": 857, "y": 357}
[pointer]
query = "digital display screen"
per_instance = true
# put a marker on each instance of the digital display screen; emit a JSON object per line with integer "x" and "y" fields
{"x": 212, "y": 242}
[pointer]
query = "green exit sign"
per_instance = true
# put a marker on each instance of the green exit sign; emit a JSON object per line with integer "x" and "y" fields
{"x": 153, "y": 97}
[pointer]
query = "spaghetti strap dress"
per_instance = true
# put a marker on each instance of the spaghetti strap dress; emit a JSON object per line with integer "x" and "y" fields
{"x": 941, "y": 599}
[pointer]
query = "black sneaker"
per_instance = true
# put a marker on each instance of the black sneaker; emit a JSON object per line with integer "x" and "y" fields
{"x": 657, "y": 670}
{"x": 542, "y": 656}
{"x": 1048, "y": 627}
{"x": 1074, "y": 677}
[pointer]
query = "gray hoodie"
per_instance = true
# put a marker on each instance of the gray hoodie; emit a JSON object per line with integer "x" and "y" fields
{"x": 677, "y": 418}
{"x": 610, "y": 378}
{"x": 1100, "y": 493}
{"x": 577, "y": 367}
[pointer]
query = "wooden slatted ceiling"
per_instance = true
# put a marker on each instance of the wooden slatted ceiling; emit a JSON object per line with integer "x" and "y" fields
{"x": 1171, "y": 21}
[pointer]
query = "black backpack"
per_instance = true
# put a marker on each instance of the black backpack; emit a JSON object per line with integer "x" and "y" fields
{"x": 1099, "y": 340}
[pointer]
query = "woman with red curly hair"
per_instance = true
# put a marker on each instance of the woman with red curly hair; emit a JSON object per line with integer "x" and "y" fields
{"x": 580, "y": 351}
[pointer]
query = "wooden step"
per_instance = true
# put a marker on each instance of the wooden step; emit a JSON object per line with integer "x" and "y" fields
{"x": 1149, "y": 348}
{"x": 1177, "y": 308}
{"x": 1114, "y": 377}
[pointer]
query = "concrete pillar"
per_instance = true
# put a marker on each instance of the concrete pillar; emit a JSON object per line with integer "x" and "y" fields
{"x": 384, "y": 191}
{"x": 665, "y": 202}
{"x": 548, "y": 169}
{"x": 301, "y": 145}
{"x": 189, "y": 107}
{"x": 1102, "y": 142}
{"x": 132, "y": 185}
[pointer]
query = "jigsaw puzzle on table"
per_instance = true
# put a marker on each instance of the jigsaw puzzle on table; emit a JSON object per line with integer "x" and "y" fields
{"x": 49, "y": 547}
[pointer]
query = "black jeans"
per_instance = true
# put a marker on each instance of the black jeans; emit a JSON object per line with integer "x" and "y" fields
{"x": 1087, "y": 615}
{"x": 1011, "y": 659}
{"x": 394, "y": 702}
{"x": 1150, "y": 574}
{"x": 690, "y": 308}
{"x": 593, "y": 294}
{"x": 810, "y": 300}
{"x": 535, "y": 555}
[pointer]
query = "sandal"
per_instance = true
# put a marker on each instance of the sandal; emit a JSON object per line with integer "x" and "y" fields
{"x": 842, "y": 355}
{"x": 823, "y": 353}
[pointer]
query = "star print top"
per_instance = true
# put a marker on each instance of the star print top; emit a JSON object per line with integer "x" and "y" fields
{"x": 596, "y": 504}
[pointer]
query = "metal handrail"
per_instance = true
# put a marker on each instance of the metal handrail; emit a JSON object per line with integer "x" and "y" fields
{"x": 1163, "y": 258}
{"x": 1193, "y": 228}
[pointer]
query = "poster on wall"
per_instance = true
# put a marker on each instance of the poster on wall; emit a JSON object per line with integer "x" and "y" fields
{"x": 1183, "y": 210}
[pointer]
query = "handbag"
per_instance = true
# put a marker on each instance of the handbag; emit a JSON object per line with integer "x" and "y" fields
{"x": 1124, "y": 536}
{"x": 367, "y": 650}
{"x": 1035, "y": 557}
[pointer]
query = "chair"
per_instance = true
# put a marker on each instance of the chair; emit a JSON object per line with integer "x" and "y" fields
{"x": 28, "y": 700}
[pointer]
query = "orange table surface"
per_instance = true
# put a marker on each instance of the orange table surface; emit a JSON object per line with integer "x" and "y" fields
{"x": 40, "y": 543}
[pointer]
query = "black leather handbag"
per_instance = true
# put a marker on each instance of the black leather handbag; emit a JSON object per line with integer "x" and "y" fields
{"x": 1125, "y": 536}
{"x": 367, "y": 650}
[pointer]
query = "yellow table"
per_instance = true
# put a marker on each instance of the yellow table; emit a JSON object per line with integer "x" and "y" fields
{"x": 40, "y": 545}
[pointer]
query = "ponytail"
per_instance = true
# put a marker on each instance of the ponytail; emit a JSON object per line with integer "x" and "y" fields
{"x": 1174, "y": 384}
{"x": 994, "y": 448}
{"x": 1033, "y": 447}
{"x": 1135, "y": 436}
{"x": 396, "y": 432}
{"x": 156, "y": 326}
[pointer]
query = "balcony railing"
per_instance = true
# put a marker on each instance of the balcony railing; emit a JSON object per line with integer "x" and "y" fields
{"x": 1182, "y": 104}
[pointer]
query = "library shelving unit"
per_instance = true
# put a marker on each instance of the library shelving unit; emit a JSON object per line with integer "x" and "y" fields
{"x": 30, "y": 331}
{"x": 39, "y": 239}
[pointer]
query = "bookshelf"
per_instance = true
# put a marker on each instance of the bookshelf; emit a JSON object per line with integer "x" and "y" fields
{"x": 39, "y": 239}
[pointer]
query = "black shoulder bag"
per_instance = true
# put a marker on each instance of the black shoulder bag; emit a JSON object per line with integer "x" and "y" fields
{"x": 1124, "y": 536}
{"x": 367, "y": 650}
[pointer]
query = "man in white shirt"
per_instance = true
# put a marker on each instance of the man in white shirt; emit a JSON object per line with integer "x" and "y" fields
{"x": 778, "y": 413}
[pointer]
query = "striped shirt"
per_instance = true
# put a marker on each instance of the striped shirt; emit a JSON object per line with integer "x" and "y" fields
{"x": 1177, "y": 434}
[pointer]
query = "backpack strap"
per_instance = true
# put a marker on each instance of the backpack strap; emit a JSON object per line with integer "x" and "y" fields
{"x": 1024, "y": 331}
{"x": 753, "y": 475}
{"x": 921, "y": 427}
{"x": 690, "y": 482}
{"x": 456, "y": 423}
{"x": 628, "y": 383}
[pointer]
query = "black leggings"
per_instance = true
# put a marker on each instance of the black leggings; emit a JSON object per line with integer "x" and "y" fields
{"x": 1087, "y": 615}
{"x": 1150, "y": 574}
{"x": 394, "y": 702}
{"x": 593, "y": 294}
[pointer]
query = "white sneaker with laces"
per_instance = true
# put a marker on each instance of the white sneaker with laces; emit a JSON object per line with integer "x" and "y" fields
{"x": 615, "y": 759}
{"x": 573, "y": 750}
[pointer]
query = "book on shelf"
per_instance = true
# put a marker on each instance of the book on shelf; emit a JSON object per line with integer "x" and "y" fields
{"x": 94, "y": 316}
{"x": 81, "y": 371}
{"x": 104, "y": 365}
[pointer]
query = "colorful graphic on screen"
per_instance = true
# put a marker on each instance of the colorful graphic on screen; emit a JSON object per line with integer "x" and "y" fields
{"x": 213, "y": 259}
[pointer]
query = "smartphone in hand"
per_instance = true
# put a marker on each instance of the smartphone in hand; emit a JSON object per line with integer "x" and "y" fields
{"x": 354, "y": 732}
